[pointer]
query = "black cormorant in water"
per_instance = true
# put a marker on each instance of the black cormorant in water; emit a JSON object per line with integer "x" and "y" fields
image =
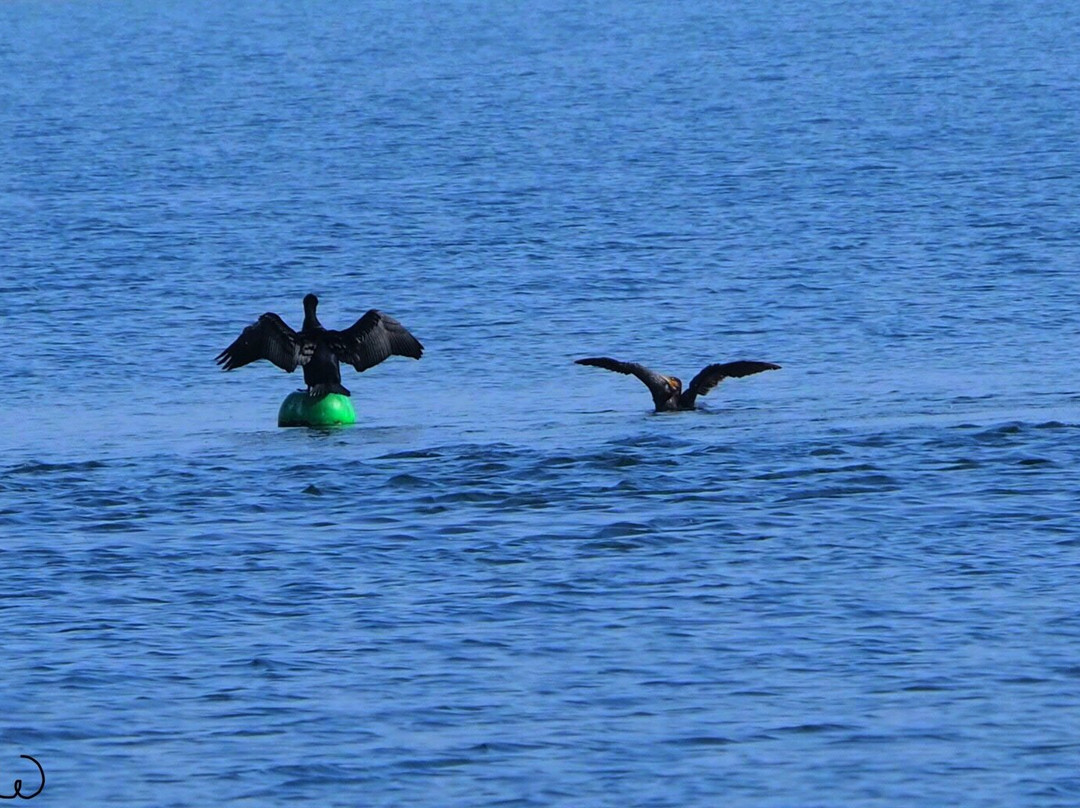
{"x": 364, "y": 344}
{"x": 667, "y": 392}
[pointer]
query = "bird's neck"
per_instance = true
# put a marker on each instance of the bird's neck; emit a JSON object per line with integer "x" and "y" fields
{"x": 311, "y": 322}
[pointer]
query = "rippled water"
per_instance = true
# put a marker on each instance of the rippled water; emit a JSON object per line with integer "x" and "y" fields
{"x": 849, "y": 582}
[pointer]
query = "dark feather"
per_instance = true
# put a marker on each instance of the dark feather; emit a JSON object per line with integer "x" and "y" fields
{"x": 364, "y": 344}
{"x": 270, "y": 338}
{"x": 711, "y": 376}
{"x": 657, "y": 384}
{"x": 371, "y": 339}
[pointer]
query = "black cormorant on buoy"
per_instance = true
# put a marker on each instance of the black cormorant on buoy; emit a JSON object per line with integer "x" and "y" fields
{"x": 364, "y": 344}
{"x": 667, "y": 392}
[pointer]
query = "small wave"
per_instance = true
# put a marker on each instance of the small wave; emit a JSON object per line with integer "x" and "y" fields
{"x": 36, "y": 467}
{"x": 703, "y": 740}
{"x": 412, "y": 454}
{"x": 610, "y": 545}
{"x": 409, "y": 481}
{"x": 884, "y": 484}
{"x": 813, "y": 729}
{"x": 623, "y": 529}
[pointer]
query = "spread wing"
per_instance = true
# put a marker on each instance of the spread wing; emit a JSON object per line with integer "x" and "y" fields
{"x": 371, "y": 339}
{"x": 657, "y": 384}
{"x": 267, "y": 338}
{"x": 711, "y": 376}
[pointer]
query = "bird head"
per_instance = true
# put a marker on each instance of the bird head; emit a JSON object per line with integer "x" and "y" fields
{"x": 310, "y": 302}
{"x": 675, "y": 383}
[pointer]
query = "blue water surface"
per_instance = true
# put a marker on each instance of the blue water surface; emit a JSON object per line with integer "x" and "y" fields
{"x": 854, "y": 581}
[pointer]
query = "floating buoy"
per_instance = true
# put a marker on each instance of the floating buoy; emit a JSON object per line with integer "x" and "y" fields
{"x": 300, "y": 409}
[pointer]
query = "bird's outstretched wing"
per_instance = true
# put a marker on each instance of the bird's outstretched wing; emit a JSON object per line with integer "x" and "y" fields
{"x": 371, "y": 339}
{"x": 657, "y": 384}
{"x": 267, "y": 338}
{"x": 711, "y": 376}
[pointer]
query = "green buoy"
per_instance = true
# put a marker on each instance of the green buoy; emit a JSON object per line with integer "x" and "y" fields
{"x": 300, "y": 409}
